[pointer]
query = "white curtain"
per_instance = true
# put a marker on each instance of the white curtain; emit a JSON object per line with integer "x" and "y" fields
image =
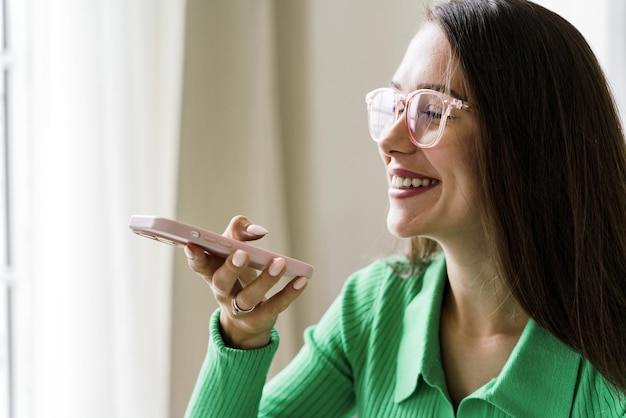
{"x": 96, "y": 112}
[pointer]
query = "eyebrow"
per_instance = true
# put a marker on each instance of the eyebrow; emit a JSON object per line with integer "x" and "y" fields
{"x": 436, "y": 87}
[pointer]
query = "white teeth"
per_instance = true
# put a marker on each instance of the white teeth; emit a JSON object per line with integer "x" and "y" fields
{"x": 406, "y": 182}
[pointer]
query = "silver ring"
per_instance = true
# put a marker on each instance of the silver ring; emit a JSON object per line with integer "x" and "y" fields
{"x": 237, "y": 310}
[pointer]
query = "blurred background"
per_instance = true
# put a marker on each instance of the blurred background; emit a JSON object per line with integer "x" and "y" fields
{"x": 198, "y": 110}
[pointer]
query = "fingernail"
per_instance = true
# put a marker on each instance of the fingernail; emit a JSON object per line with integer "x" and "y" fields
{"x": 277, "y": 266}
{"x": 300, "y": 283}
{"x": 256, "y": 230}
{"x": 189, "y": 253}
{"x": 239, "y": 258}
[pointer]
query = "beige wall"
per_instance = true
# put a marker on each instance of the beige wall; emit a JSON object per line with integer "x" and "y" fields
{"x": 274, "y": 127}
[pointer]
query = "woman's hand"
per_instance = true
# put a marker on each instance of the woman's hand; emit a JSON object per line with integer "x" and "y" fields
{"x": 238, "y": 288}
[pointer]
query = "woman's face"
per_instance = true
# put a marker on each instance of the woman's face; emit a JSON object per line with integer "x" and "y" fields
{"x": 448, "y": 207}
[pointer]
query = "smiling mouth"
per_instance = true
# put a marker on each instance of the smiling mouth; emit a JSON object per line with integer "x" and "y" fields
{"x": 411, "y": 183}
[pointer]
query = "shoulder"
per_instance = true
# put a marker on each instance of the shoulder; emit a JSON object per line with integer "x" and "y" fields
{"x": 386, "y": 284}
{"x": 390, "y": 272}
{"x": 378, "y": 294}
{"x": 365, "y": 318}
{"x": 371, "y": 279}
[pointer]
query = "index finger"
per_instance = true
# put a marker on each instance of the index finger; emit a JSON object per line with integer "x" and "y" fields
{"x": 201, "y": 262}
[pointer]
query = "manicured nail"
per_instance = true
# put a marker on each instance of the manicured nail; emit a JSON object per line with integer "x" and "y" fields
{"x": 239, "y": 258}
{"x": 277, "y": 266}
{"x": 189, "y": 253}
{"x": 256, "y": 230}
{"x": 300, "y": 283}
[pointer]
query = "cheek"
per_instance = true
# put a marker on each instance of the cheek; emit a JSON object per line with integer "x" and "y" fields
{"x": 456, "y": 163}
{"x": 461, "y": 143}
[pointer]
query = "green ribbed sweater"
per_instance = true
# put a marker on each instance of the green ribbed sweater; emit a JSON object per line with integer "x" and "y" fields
{"x": 375, "y": 353}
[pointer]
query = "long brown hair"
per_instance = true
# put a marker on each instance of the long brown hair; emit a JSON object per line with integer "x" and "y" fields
{"x": 552, "y": 162}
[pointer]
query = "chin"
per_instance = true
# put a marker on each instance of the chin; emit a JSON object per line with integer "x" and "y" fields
{"x": 399, "y": 227}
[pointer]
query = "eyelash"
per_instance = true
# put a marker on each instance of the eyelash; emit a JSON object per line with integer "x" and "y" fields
{"x": 432, "y": 114}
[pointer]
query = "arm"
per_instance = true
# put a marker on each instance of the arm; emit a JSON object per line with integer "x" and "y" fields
{"x": 318, "y": 382}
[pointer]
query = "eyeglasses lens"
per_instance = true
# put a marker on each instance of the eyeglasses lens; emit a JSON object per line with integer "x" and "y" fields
{"x": 424, "y": 115}
{"x": 381, "y": 112}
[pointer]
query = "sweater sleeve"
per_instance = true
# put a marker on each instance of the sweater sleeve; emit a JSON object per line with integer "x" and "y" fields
{"x": 231, "y": 381}
{"x": 316, "y": 383}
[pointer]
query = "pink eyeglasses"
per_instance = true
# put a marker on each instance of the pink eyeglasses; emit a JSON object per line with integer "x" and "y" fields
{"x": 426, "y": 113}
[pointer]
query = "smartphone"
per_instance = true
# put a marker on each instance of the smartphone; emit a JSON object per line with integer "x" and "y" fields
{"x": 177, "y": 233}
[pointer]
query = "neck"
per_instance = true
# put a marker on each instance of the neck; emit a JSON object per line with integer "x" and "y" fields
{"x": 478, "y": 302}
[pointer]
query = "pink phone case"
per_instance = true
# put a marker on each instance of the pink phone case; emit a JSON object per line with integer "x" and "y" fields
{"x": 176, "y": 233}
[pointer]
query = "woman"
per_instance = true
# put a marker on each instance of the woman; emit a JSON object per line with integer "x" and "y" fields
{"x": 507, "y": 168}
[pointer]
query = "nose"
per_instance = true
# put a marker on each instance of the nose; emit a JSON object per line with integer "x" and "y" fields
{"x": 396, "y": 139}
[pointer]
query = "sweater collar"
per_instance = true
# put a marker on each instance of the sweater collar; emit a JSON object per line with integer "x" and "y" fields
{"x": 539, "y": 368}
{"x": 418, "y": 353}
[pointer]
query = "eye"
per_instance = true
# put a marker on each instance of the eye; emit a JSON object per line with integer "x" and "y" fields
{"x": 431, "y": 112}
